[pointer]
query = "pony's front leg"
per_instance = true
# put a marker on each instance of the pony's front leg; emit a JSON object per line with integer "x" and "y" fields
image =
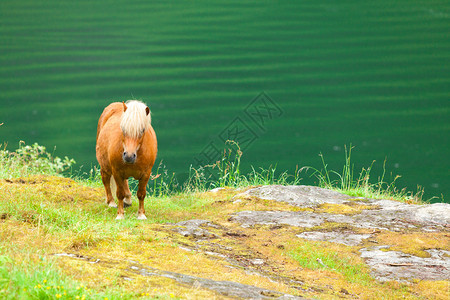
{"x": 106, "y": 179}
{"x": 127, "y": 201}
{"x": 141, "y": 196}
{"x": 121, "y": 194}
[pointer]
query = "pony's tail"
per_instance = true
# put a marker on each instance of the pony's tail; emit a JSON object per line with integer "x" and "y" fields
{"x": 113, "y": 186}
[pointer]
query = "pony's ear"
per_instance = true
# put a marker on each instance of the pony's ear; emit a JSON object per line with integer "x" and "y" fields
{"x": 124, "y": 107}
{"x": 147, "y": 110}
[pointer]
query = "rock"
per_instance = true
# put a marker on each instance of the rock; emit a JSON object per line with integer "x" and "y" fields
{"x": 193, "y": 228}
{"x": 395, "y": 265}
{"x": 385, "y": 215}
{"x": 328, "y": 216}
{"x": 378, "y": 215}
{"x": 298, "y": 195}
{"x": 391, "y": 215}
{"x": 218, "y": 189}
{"x": 298, "y": 219}
{"x": 438, "y": 213}
{"x": 225, "y": 288}
{"x": 257, "y": 261}
{"x": 345, "y": 238}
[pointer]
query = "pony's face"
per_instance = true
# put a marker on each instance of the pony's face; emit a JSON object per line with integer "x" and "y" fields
{"x": 130, "y": 149}
{"x": 134, "y": 124}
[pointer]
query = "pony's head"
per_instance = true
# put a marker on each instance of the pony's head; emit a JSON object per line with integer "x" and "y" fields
{"x": 135, "y": 121}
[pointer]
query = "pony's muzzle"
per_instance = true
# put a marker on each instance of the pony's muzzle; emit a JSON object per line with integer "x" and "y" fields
{"x": 129, "y": 158}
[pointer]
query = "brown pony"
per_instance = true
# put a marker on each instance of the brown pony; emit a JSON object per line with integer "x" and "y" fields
{"x": 126, "y": 147}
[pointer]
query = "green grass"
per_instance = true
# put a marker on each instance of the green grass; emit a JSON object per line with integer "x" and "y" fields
{"x": 28, "y": 278}
{"x": 316, "y": 256}
{"x": 82, "y": 223}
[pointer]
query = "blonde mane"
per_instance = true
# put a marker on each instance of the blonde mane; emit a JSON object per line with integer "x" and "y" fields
{"x": 135, "y": 119}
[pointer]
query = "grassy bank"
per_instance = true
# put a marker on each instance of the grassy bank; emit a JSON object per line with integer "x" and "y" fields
{"x": 45, "y": 218}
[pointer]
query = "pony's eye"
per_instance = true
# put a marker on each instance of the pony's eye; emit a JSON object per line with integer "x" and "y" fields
{"x": 142, "y": 131}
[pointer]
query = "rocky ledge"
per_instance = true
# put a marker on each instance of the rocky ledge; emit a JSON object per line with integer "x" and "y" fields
{"x": 246, "y": 245}
{"x": 375, "y": 216}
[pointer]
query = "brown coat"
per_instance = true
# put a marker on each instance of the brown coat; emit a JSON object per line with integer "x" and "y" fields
{"x": 113, "y": 145}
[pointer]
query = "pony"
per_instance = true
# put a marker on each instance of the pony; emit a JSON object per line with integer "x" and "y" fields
{"x": 126, "y": 147}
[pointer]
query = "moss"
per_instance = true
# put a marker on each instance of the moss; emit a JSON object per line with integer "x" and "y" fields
{"x": 330, "y": 226}
{"x": 241, "y": 201}
{"x": 353, "y": 276}
{"x": 439, "y": 290}
{"x": 166, "y": 254}
{"x": 83, "y": 240}
{"x": 53, "y": 188}
{"x": 415, "y": 243}
{"x": 349, "y": 208}
{"x": 107, "y": 274}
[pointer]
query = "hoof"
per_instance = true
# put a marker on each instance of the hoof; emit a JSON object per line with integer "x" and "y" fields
{"x": 112, "y": 204}
{"x": 127, "y": 202}
{"x": 120, "y": 217}
{"x": 142, "y": 217}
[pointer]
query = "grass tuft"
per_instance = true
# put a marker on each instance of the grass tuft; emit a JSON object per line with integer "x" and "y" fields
{"x": 359, "y": 185}
{"x": 227, "y": 173}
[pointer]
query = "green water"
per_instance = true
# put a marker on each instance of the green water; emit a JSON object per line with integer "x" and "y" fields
{"x": 376, "y": 75}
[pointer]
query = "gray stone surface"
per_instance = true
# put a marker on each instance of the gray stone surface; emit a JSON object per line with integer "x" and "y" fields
{"x": 194, "y": 228}
{"x": 395, "y": 265}
{"x": 225, "y": 288}
{"x": 345, "y": 238}
{"x": 298, "y": 195}
{"x": 218, "y": 189}
{"x": 382, "y": 215}
{"x": 396, "y": 216}
{"x": 438, "y": 213}
{"x": 298, "y": 219}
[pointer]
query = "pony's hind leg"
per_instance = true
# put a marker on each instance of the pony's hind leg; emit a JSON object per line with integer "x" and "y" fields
{"x": 127, "y": 201}
{"x": 107, "y": 182}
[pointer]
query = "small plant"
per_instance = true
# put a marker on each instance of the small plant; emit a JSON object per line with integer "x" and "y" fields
{"x": 228, "y": 169}
{"x": 164, "y": 182}
{"x": 197, "y": 180}
{"x": 28, "y": 160}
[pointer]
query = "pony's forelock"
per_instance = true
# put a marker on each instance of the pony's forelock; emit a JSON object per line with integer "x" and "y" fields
{"x": 135, "y": 119}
